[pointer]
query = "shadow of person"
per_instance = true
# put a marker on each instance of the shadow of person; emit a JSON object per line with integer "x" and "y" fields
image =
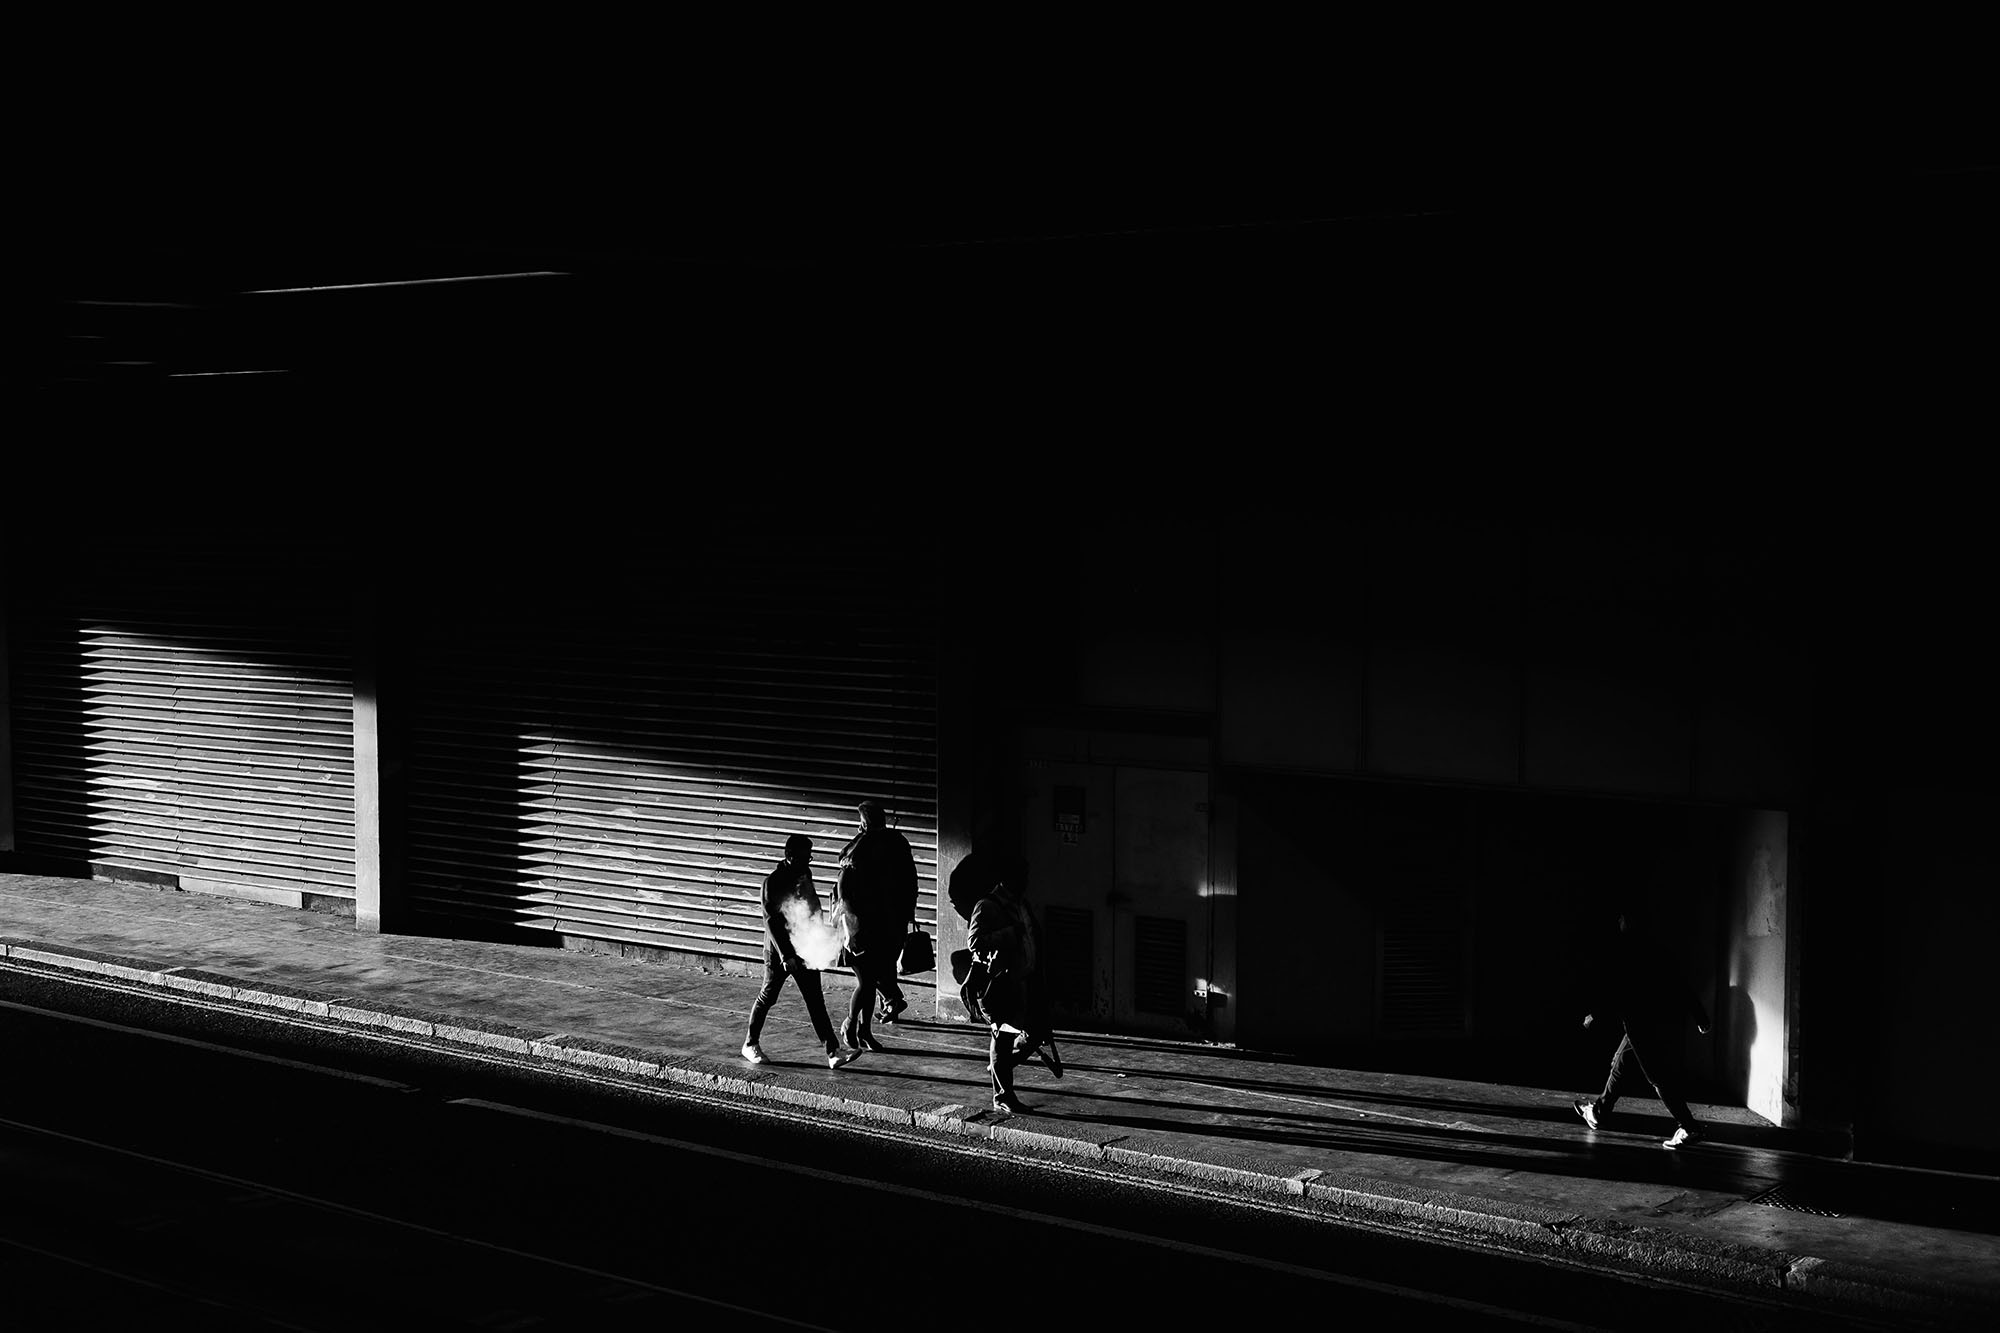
{"x": 1735, "y": 1037}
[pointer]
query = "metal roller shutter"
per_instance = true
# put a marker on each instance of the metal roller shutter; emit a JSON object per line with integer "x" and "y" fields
{"x": 624, "y": 772}
{"x": 189, "y": 721}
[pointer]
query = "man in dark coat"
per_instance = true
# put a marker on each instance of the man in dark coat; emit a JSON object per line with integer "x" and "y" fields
{"x": 878, "y": 886}
{"x": 1650, "y": 1000}
{"x": 790, "y": 902}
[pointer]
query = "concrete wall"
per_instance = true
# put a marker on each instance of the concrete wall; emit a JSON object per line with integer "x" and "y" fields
{"x": 1144, "y": 583}
{"x": 1305, "y": 928}
{"x": 1608, "y": 694}
{"x": 6, "y": 737}
{"x": 1534, "y": 881}
{"x": 1479, "y": 652}
{"x": 1751, "y": 1016}
{"x": 1924, "y": 1002}
{"x": 1579, "y": 658}
{"x": 1291, "y": 649}
{"x": 1443, "y": 626}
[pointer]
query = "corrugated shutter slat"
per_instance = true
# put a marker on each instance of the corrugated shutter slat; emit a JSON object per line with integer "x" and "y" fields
{"x": 169, "y": 722}
{"x": 612, "y": 777}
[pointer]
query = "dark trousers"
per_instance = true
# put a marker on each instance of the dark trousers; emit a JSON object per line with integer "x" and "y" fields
{"x": 809, "y": 991}
{"x": 874, "y": 974}
{"x": 1008, "y": 1051}
{"x": 1027, "y": 1027}
{"x": 1662, "y": 1069}
{"x": 884, "y": 978}
{"x": 1001, "y": 1059}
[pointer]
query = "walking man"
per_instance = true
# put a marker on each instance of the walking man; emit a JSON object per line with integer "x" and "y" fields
{"x": 1651, "y": 1001}
{"x": 878, "y": 886}
{"x": 788, "y": 898}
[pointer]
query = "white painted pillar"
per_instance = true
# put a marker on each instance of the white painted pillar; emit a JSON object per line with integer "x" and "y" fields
{"x": 6, "y": 739}
{"x": 367, "y": 766}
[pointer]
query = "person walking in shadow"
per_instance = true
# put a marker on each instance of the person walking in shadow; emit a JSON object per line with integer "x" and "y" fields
{"x": 1005, "y": 936}
{"x": 1650, "y": 1000}
{"x": 791, "y": 905}
{"x": 878, "y": 889}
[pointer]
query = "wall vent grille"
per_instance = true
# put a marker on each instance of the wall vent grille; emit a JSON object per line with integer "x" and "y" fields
{"x": 1159, "y": 947}
{"x": 1069, "y": 934}
{"x": 1423, "y": 982}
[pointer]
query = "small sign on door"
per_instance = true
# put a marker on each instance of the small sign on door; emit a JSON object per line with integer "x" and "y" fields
{"x": 1069, "y": 814}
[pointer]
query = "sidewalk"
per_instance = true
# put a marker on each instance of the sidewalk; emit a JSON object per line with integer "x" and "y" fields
{"x": 1498, "y": 1165}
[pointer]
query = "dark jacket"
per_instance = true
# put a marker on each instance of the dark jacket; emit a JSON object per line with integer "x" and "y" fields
{"x": 1641, "y": 989}
{"x": 1004, "y": 933}
{"x": 786, "y": 881}
{"x": 878, "y": 882}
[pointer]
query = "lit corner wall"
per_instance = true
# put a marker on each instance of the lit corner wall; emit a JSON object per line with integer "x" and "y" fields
{"x": 6, "y": 738}
{"x": 1750, "y": 1033}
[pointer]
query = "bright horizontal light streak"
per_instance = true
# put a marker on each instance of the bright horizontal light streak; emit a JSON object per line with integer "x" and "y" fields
{"x": 202, "y": 374}
{"x": 407, "y": 282}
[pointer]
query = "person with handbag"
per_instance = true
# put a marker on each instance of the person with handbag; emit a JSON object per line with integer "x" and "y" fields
{"x": 877, "y": 889}
{"x": 1006, "y": 943}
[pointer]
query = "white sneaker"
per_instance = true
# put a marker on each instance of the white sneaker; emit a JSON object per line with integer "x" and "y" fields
{"x": 1588, "y": 1110}
{"x": 1682, "y": 1137}
{"x": 839, "y": 1058}
{"x": 754, "y": 1053}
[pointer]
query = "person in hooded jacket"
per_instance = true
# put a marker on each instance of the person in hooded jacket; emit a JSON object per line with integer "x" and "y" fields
{"x": 788, "y": 891}
{"x": 1004, "y": 934}
{"x": 1651, "y": 1001}
{"x": 878, "y": 889}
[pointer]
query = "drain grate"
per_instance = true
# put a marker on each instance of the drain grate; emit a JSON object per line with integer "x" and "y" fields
{"x": 1776, "y": 1197}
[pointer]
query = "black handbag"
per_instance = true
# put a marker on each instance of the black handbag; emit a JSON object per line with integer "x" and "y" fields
{"x": 970, "y": 974}
{"x": 1001, "y": 1000}
{"x": 989, "y": 997}
{"x": 918, "y": 953}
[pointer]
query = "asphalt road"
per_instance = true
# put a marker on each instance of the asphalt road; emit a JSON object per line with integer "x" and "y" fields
{"x": 167, "y": 1160}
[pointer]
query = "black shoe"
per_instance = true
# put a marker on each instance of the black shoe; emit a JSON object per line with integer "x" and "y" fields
{"x": 891, "y": 1011}
{"x": 1051, "y": 1059}
{"x": 1007, "y": 1101}
{"x": 868, "y": 1040}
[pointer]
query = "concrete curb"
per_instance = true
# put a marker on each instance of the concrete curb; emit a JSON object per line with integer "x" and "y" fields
{"x": 1653, "y": 1251}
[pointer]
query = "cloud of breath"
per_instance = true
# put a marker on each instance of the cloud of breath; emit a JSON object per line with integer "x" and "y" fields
{"x": 813, "y": 934}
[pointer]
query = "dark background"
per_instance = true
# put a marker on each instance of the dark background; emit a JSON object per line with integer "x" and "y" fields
{"x": 1024, "y": 304}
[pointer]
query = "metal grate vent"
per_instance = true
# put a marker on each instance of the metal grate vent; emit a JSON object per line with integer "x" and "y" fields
{"x": 1777, "y": 1197}
{"x": 1423, "y": 982}
{"x": 1070, "y": 937}
{"x": 1160, "y": 946}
